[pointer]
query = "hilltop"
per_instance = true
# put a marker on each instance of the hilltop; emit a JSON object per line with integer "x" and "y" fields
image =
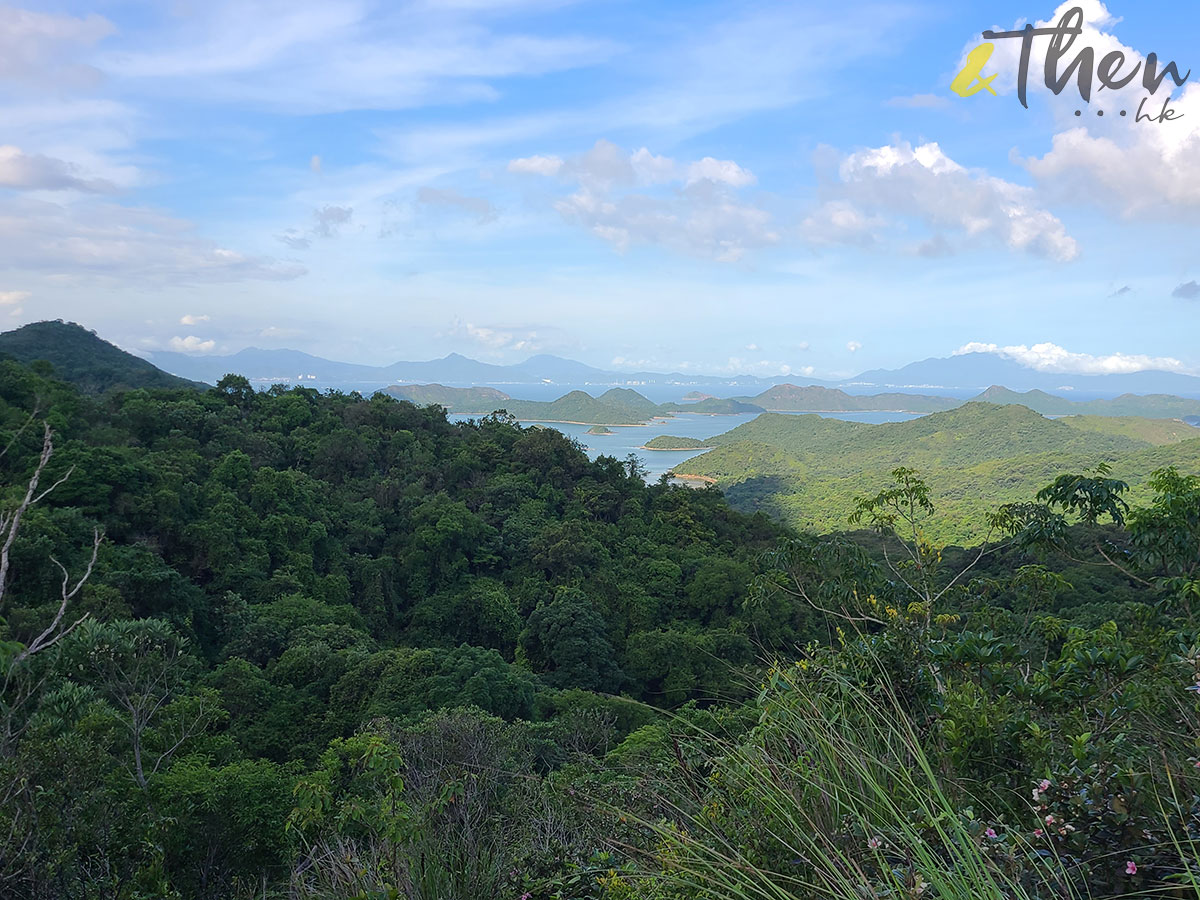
{"x": 84, "y": 359}
{"x": 807, "y": 470}
{"x": 1153, "y": 406}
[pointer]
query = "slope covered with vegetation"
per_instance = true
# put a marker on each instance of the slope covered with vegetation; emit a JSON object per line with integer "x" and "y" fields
{"x": 814, "y": 398}
{"x": 293, "y": 645}
{"x": 1153, "y": 406}
{"x": 806, "y": 470}
{"x": 89, "y": 362}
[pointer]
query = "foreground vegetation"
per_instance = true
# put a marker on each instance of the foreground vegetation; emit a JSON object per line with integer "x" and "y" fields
{"x": 286, "y": 644}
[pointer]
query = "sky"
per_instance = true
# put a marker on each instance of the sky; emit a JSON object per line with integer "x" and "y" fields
{"x": 768, "y": 188}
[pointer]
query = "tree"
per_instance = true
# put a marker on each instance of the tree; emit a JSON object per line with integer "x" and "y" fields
{"x": 142, "y": 668}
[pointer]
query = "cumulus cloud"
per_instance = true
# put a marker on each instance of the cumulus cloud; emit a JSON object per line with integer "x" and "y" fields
{"x": 190, "y": 319}
{"x": 192, "y": 344}
{"x": 12, "y": 298}
{"x": 34, "y": 172}
{"x": 697, "y": 211}
{"x": 1053, "y": 358}
{"x": 924, "y": 184}
{"x": 853, "y": 346}
{"x": 720, "y": 171}
{"x": 841, "y": 222}
{"x": 1189, "y": 290}
{"x": 1136, "y": 171}
{"x": 479, "y": 207}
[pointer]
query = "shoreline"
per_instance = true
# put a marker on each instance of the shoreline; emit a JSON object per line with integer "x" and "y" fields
{"x": 674, "y": 449}
{"x": 703, "y": 478}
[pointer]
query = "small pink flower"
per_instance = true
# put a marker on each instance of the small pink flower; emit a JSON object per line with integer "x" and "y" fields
{"x": 1037, "y": 832}
{"x": 1049, "y": 820}
{"x": 1131, "y": 868}
{"x": 874, "y": 843}
{"x": 1045, "y": 785}
{"x": 991, "y": 832}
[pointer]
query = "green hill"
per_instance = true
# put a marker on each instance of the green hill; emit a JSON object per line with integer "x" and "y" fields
{"x": 1152, "y": 431}
{"x": 791, "y": 398}
{"x": 712, "y": 406}
{"x": 89, "y": 362}
{"x": 576, "y": 407}
{"x": 472, "y": 399}
{"x": 807, "y": 470}
{"x": 670, "y": 442}
{"x": 600, "y": 429}
{"x": 1152, "y": 406}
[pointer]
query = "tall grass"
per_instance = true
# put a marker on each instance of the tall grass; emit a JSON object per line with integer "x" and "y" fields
{"x": 833, "y": 796}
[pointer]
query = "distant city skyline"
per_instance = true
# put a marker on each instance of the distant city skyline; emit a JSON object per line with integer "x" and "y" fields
{"x": 776, "y": 189}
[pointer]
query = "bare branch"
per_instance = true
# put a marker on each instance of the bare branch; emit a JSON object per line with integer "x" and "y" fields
{"x": 52, "y": 635}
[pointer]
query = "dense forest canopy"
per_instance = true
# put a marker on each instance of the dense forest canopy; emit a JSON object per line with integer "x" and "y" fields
{"x": 288, "y": 643}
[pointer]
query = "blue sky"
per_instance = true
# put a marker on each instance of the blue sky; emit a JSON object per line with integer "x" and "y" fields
{"x": 759, "y": 187}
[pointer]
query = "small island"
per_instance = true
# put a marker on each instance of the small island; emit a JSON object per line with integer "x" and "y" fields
{"x": 670, "y": 442}
{"x": 599, "y": 429}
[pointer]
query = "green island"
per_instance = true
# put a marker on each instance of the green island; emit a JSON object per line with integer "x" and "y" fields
{"x": 293, "y": 644}
{"x": 599, "y": 429}
{"x": 670, "y": 442}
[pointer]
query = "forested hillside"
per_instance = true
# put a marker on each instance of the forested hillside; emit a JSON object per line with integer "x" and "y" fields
{"x": 87, "y": 361}
{"x": 806, "y": 470}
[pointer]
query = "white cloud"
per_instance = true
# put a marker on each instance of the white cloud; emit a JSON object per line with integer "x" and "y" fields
{"x": 536, "y": 165}
{"x": 321, "y": 56}
{"x": 34, "y": 172}
{"x": 651, "y": 169}
{"x": 314, "y": 164}
{"x": 11, "y": 298}
{"x": 128, "y": 244}
{"x": 192, "y": 344}
{"x": 40, "y": 51}
{"x": 497, "y": 338}
{"x": 1049, "y": 357}
{"x": 702, "y": 216}
{"x": 841, "y": 222}
{"x": 1140, "y": 170}
{"x": 853, "y": 346}
{"x": 924, "y": 184}
{"x": 722, "y": 171}
{"x": 189, "y": 319}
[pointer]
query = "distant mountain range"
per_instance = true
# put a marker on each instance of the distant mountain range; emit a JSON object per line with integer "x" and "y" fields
{"x": 80, "y": 356}
{"x": 959, "y": 376}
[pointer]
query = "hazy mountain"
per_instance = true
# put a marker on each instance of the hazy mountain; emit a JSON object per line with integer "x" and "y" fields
{"x": 84, "y": 359}
{"x": 1151, "y": 406}
{"x": 814, "y": 398}
{"x": 976, "y": 371}
{"x": 959, "y": 376}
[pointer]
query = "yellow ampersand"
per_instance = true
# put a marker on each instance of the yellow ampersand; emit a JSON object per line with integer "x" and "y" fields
{"x": 970, "y": 80}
